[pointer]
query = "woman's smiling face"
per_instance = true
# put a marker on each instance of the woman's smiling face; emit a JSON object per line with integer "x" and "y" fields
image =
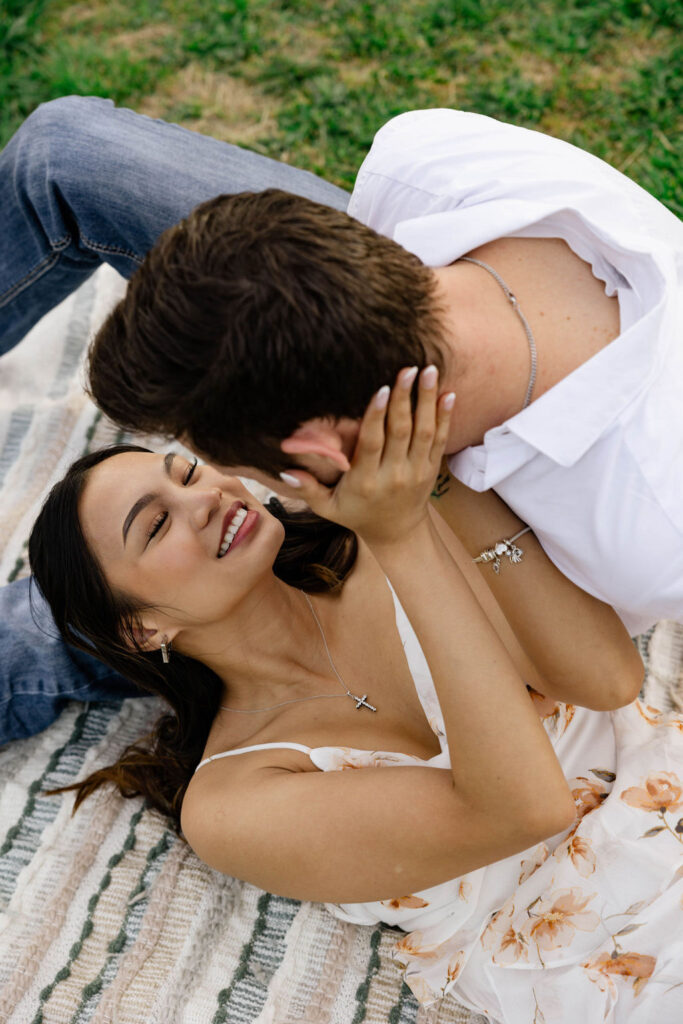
{"x": 177, "y": 536}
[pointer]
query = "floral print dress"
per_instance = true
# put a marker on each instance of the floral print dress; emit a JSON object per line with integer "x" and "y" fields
{"x": 585, "y": 927}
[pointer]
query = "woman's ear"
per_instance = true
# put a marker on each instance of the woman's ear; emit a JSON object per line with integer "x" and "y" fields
{"x": 149, "y": 638}
{"x": 142, "y": 637}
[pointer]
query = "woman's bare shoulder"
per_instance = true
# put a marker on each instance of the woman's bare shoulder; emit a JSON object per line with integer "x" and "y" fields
{"x": 227, "y": 781}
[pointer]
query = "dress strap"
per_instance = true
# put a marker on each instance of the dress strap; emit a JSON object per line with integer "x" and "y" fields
{"x": 258, "y": 746}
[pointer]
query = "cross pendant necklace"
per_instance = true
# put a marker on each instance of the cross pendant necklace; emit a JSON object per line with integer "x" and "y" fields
{"x": 361, "y": 702}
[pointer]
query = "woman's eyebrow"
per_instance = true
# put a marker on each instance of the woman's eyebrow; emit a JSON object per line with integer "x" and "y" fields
{"x": 144, "y": 501}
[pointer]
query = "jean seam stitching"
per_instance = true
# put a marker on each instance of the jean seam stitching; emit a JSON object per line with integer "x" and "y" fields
{"x": 37, "y": 271}
{"x": 117, "y": 249}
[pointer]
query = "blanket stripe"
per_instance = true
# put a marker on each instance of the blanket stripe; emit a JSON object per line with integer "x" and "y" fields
{"x": 87, "y": 927}
{"x": 75, "y": 340}
{"x": 363, "y": 989}
{"x": 38, "y": 810}
{"x": 135, "y": 909}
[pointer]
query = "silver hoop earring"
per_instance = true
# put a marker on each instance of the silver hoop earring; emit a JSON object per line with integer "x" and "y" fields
{"x": 165, "y": 651}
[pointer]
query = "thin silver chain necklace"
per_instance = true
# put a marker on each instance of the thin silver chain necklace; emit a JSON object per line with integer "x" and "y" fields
{"x": 525, "y": 323}
{"x": 361, "y": 702}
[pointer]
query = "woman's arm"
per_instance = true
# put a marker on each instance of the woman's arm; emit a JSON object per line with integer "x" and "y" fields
{"x": 379, "y": 833}
{"x": 567, "y": 644}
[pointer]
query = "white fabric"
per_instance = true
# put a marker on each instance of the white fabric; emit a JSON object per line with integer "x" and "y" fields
{"x": 587, "y": 926}
{"x": 247, "y": 750}
{"x": 595, "y": 465}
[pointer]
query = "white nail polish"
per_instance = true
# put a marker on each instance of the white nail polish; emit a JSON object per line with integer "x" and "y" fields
{"x": 382, "y": 397}
{"x": 408, "y": 377}
{"x": 429, "y": 377}
{"x": 449, "y": 401}
{"x": 291, "y": 481}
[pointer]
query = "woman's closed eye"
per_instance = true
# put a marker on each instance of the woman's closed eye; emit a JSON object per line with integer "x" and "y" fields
{"x": 157, "y": 523}
{"x": 161, "y": 518}
{"x": 189, "y": 473}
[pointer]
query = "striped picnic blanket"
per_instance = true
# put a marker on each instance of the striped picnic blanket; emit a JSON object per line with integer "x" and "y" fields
{"x": 108, "y": 917}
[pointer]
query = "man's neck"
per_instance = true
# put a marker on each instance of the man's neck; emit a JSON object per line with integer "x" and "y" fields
{"x": 566, "y": 308}
{"x": 487, "y": 353}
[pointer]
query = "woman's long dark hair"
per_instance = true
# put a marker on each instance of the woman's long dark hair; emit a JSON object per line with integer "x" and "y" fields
{"x": 316, "y": 556}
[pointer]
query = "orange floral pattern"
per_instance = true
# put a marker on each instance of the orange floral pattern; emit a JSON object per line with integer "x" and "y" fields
{"x": 448, "y": 952}
{"x": 555, "y": 715}
{"x": 569, "y": 901}
{"x": 603, "y": 968}
{"x": 500, "y": 937}
{"x": 661, "y": 791}
{"x": 580, "y": 852}
{"x": 413, "y": 946}
{"x": 655, "y": 717}
{"x": 556, "y": 919}
{"x": 409, "y": 902}
{"x": 538, "y": 856}
{"x": 588, "y": 797}
{"x": 455, "y": 966}
{"x": 464, "y": 890}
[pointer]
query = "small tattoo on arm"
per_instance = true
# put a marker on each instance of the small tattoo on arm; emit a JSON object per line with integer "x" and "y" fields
{"x": 441, "y": 485}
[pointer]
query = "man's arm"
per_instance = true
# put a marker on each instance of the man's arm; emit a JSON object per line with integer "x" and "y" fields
{"x": 594, "y": 662}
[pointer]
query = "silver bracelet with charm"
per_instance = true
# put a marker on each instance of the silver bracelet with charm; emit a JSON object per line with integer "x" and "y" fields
{"x": 503, "y": 548}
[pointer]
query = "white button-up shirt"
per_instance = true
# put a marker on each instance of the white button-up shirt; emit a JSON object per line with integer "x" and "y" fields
{"x": 595, "y": 465}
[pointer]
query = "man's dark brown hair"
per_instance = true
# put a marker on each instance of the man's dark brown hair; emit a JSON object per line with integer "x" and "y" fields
{"x": 257, "y": 312}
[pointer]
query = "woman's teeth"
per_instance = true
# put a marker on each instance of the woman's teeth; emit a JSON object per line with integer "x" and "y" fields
{"x": 231, "y": 531}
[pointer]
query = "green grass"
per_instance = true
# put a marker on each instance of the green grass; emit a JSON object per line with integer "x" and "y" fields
{"x": 310, "y": 82}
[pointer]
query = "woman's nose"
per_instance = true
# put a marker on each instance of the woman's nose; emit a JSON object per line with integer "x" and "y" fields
{"x": 205, "y": 501}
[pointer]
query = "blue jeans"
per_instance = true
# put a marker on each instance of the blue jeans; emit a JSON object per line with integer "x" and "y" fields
{"x": 82, "y": 183}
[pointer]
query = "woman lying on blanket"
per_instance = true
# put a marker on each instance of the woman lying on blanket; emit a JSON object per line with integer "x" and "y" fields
{"x": 530, "y": 846}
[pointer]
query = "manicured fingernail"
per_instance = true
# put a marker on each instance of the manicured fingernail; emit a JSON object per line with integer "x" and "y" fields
{"x": 408, "y": 377}
{"x": 291, "y": 481}
{"x": 429, "y": 377}
{"x": 382, "y": 397}
{"x": 449, "y": 401}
